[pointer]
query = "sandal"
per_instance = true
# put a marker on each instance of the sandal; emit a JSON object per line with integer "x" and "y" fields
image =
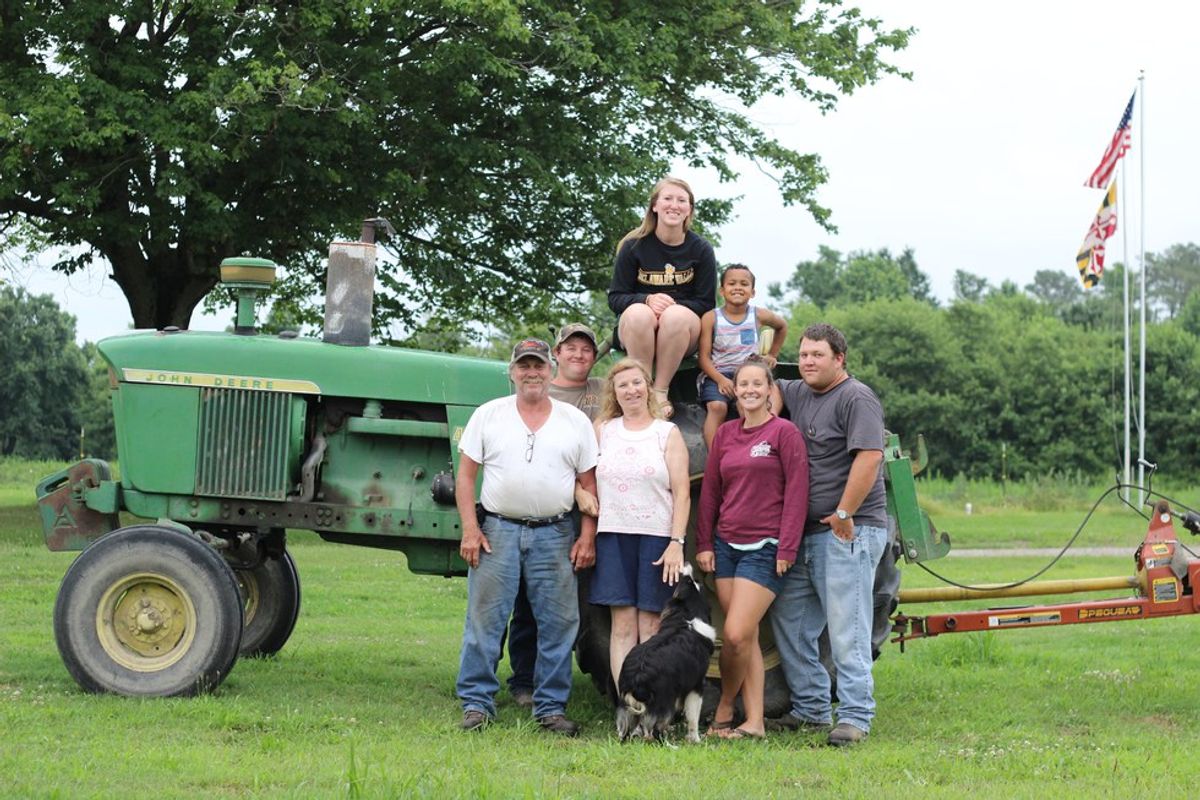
{"x": 716, "y": 728}
{"x": 741, "y": 733}
{"x": 668, "y": 410}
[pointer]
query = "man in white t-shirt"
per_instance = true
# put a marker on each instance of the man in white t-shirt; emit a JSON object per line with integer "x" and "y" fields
{"x": 575, "y": 354}
{"x": 532, "y": 449}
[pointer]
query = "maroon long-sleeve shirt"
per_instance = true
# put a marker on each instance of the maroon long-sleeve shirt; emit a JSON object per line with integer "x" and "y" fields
{"x": 755, "y": 487}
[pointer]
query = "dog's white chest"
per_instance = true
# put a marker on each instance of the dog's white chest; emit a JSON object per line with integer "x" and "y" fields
{"x": 703, "y": 628}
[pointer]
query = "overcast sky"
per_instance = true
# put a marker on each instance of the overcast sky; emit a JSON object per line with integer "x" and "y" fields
{"x": 977, "y": 163}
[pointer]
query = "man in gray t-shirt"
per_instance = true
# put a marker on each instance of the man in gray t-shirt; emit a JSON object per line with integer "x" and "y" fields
{"x": 842, "y": 425}
{"x": 845, "y": 533}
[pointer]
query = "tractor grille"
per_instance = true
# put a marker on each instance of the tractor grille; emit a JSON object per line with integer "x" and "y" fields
{"x": 243, "y": 444}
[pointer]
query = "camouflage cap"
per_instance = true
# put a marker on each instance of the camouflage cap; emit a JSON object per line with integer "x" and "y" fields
{"x": 575, "y": 329}
{"x": 530, "y": 347}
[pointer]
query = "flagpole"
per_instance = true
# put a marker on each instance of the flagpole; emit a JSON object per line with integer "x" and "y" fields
{"x": 1090, "y": 259}
{"x": 1142, "y": 235}
{"x": 1126, "y": 320}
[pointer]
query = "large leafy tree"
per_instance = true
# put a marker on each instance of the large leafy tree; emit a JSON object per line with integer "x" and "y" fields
{"x": 509, "y": 143}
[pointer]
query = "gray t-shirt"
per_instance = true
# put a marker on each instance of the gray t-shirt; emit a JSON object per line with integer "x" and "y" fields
{"x": 586, "y": 398}
{"x": 835, "y": 424}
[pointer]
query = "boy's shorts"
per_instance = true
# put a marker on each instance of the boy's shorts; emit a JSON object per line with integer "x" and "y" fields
{"x": 707, "y": 391}
{"x": 753, "y": 565}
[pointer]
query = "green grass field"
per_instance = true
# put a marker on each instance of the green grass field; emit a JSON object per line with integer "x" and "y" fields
{"x": 361, "y": 704}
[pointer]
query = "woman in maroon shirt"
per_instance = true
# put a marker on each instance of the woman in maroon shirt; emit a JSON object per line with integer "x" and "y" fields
{"x": 754, "y": 498}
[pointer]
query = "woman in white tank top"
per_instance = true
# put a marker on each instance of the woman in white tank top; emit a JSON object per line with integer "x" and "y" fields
{"x": 643, "y": 493}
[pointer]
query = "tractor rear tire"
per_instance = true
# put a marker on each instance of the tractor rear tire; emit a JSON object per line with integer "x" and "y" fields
{"x": 271, "y": 604}
{"x": 148, "y": 611}
{"x": 591, "y": 644}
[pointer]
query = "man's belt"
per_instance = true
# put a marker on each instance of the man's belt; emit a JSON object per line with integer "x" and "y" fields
{"x": 530, "y": 522}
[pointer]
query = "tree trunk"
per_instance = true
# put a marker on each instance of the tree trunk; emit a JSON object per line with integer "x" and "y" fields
{"x": 165, "y": 289}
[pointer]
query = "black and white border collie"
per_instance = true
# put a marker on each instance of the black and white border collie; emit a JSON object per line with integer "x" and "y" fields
{"x": 666, "y": 672}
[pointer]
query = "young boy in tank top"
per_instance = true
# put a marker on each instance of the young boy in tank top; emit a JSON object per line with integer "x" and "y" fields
{"x": 728, "y": 336}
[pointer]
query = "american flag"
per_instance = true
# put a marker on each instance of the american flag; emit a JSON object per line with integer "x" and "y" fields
{"x": 1090, "y": 258}
{"x": 1121, "y": 142}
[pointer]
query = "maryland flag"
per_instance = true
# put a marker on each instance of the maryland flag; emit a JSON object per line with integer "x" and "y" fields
{"x": 1090, "y": 259}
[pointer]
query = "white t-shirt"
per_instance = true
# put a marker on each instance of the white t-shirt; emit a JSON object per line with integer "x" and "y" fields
{"x": 497, "y": 438}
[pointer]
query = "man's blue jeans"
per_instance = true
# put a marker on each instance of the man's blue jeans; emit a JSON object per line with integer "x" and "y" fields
{"x": 522, "y": 633}
{"x": 543, "y": 557}
{"x": 832, "y": 584}
{"x": 522, "y": 644}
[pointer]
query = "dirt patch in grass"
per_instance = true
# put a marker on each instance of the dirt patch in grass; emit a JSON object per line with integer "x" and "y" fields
{"x": 1162, "y": 722}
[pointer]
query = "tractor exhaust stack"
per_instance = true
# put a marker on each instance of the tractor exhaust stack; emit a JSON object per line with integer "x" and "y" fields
{"x": 350, "y": 286}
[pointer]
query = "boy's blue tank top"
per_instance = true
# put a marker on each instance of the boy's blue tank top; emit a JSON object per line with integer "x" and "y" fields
{"x": 733, "y": 343}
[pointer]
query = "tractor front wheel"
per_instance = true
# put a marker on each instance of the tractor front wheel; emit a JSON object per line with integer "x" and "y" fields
{"x": 148, "y": 611}
{"x": 271, "y": 604}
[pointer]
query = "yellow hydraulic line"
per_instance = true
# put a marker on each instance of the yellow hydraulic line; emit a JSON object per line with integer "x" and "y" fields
{"x": 940, "y": 593}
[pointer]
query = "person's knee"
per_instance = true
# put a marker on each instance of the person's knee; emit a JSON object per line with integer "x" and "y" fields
{"x": 738, "y": 638}
{"x": 678, "y": 318}
{"x": 637, "y": 316}
{"x": 624, "y": 625}
{"x": 554, "y": 610}
{"x": 848, "y": 637}
{"x": 490, "y": 599}
{"x": 625, "y": 633}
{"x": 717, "y": 409}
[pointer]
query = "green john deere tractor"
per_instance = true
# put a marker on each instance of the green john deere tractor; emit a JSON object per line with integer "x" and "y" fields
{"x": 226, "y": 440}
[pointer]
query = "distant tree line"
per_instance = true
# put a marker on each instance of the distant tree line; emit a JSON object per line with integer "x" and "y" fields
{"x": 1009, "y": 381}
{"x": 54, "y": 394}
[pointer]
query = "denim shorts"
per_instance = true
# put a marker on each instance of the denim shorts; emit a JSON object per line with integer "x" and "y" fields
{"x": 753, "y": 565}
{"x": 707, "y": 391}
{"x": 625, "y": 575}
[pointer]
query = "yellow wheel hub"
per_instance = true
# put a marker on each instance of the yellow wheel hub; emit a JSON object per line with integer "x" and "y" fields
{"x": 146, "y": 622}
{"x": 251, "y": 597}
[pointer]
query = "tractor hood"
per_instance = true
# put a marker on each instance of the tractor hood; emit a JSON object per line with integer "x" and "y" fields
{"x": 303, "y": 366}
